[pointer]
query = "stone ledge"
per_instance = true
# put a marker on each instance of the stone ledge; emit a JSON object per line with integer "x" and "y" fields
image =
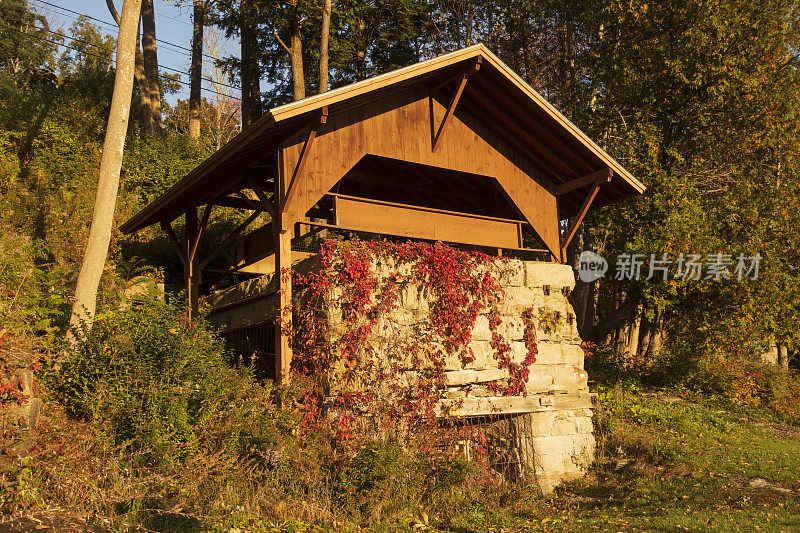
{"x": 494, "y": 405}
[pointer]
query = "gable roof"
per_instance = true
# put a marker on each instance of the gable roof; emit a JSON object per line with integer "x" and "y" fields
{"x": 494, "y": 93}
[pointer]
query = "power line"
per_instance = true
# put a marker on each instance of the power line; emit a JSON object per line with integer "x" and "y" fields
{"x": 75, "y": 39}
{"x": 105, "y": 58}
{"x": 114, "y": 26}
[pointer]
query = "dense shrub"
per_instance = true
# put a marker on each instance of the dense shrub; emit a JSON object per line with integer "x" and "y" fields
{"x": 152, "y": 381}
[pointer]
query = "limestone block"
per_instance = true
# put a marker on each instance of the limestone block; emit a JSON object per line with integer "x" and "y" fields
{"x": 540, "y": 379}
{"x": 484, "y": 354}
{"x": 519, "y": 351}
{"x": 554, "y": 423}
{"x": 511, "y": 328}
{"x": 403, "y": 317}
{"x": 412, "y": 297}
{"x": 584, "y": 424}
{"x": 555, "y": 275}
{"x": 512, "y": 272}
{"x": 559, "y": 354}
{"x": 481, "y": 331}
{"x": 463, "y": 377}
{"x": 519, "y": 299}
{"x": 569, "y": 377}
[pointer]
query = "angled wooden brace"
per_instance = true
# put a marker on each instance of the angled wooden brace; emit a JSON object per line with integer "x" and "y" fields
{"x": 605, "y": 177}
{"x": 232, "y": 237}
{"x": 321, "y": 119}
{"x": 573, "y": 185}
{"x": 175, "y": 243}
{"x": 262, "y": 196}
{"x": 200, "y": 230}
{"x": 454, "y": 102}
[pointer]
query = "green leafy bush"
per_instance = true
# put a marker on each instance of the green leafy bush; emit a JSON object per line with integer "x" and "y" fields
{"x": 155, "y": 384}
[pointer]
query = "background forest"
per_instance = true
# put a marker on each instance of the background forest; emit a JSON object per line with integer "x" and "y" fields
{"x": 699, "y": 100}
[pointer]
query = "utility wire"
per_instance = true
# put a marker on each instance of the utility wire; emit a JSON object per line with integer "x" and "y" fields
{"x": 75, "y": 39}
{"x": 105, "y": 58}
{"x": 114, "y": 26}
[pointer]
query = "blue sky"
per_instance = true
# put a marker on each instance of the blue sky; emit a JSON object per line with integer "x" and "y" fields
{"x": 173, "y": 25}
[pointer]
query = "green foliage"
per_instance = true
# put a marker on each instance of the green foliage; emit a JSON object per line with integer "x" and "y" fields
{"x": 383, "y": 479}
{"x": 153, "y": 165}
{"x": 152, "y": 382}
{"x": 33, "y": 300}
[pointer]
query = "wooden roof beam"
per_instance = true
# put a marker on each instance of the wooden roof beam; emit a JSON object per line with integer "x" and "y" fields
{"x": 602, "y": 176}
{"x": 454, "y": 101}
{"x": 534, "y": 127}
{"x": 511, "y": 133}
{"x": 321, "y": 119}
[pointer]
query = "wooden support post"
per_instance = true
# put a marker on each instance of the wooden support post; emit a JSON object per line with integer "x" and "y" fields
{"x": 189, "y": 271}
{"x": 283, "y": 266}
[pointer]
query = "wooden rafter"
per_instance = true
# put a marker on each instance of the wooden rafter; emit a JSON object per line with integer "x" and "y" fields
{"x": 248, "y": 200}
{"x": 454, "y": 102}
{"x": 573, "y": 228}
{"x": 534, "y": 128}
{"x": 321, "y": 119}
{"x": 262, "y": 196}
{"x": 603, "y": 175}
{"x": 513, "y": 132}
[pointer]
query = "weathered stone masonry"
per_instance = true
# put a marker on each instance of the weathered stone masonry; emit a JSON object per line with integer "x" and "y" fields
{"x": 551, "y": 424}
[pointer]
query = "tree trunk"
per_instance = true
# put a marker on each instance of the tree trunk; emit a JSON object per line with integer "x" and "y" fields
{"x": 327, "y": 7}
{"x": 138, "y": 72}
{"x": 196, "y": 70}
{"x": 94, "y": 257}
{"x": 361, "y": 52}
{"x": 153, "y": 124}
{"x": 296, "y": 55}
{"x": 251, "y": 89}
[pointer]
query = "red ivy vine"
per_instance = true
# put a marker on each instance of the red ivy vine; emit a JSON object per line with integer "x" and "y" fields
{"x": 463, "y": 285}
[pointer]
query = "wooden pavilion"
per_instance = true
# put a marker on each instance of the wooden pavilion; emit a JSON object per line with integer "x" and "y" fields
{"x": 456, "y": 149}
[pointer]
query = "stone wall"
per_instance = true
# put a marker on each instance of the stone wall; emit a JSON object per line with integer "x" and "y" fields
{"x": 551, "y": 421}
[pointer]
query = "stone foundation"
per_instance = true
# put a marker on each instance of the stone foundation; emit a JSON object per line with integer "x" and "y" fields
{"x": 552, "y": 421}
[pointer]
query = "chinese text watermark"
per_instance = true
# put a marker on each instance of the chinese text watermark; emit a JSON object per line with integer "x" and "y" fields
{"x": 718, "y": 266}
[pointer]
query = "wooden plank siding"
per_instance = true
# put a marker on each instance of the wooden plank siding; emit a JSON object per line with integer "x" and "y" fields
{"x": 400, "y": 127}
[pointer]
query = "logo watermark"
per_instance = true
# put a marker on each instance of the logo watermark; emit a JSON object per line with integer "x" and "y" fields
{"x": 591, "y": 266}
{"x": 719, "y": 266}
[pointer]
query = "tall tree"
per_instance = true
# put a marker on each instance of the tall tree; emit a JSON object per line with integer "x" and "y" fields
{"x": 294, "y": 26}
{"x": 150, "y": 55}
{"x": 249, "y": 70}
{"x": 145, "y": 100}
{"x": 94, "y": 258}
{"x": 325, "y": 32}
{"x": 196, "y": 69}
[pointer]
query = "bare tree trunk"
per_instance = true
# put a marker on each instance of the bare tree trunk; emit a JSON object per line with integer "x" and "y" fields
{"x": 94, "y": 257}
{"x": 361, "y": 52}
{"x": 296, "y": 55}
{"x": 327, "y": 7}
{"x": 635, "y": 328}
{"x": 153, "y": 124}
{"x": 251, "y": 90}
{"x": 196, "y": 70}
{"x": 138, "y": 72}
